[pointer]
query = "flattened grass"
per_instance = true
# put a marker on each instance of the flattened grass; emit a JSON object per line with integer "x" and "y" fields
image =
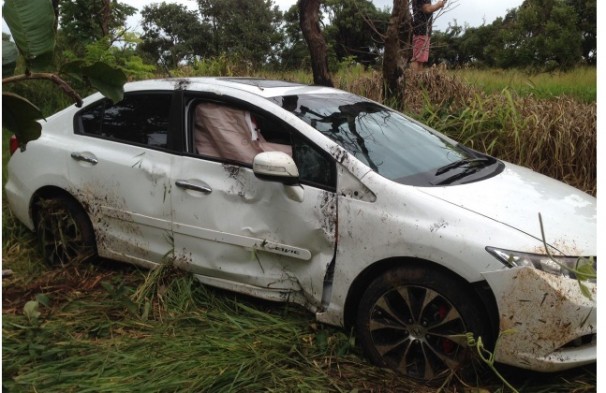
{"x": 109, "y": 327}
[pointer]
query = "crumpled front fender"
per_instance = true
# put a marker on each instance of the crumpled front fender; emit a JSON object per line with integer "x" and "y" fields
{"x": 540, "y": 313}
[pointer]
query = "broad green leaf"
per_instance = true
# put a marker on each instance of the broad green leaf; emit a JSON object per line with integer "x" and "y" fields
{"x": 19, "y": 117}
{"x": 585, "y": 291}
{"x": 9, "y": 58}
{"x": 43, "y": 63}
{"x": 108, "y": 80}
{"x": 43, "y": 299}
{"x": 585, "y": 269}
{"x": 30, "y": 310}
{"x": 74, "y": 69}
{"x": 32, "y": 25}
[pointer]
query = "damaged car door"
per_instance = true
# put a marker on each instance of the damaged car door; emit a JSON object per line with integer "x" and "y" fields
{"x": 272, "y": 239}
{"x": 119, "y": 165}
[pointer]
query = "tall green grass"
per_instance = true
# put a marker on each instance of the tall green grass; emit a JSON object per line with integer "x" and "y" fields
{"x": 107, "y": 327}
{"x": 580, "y": 83}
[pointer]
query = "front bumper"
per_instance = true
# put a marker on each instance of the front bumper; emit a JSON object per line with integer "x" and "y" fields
{"x": 546, "y": 323}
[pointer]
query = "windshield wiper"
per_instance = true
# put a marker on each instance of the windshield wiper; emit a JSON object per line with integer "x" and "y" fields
{"x": 460, "y": 163}
{"x": 460, "y": 175}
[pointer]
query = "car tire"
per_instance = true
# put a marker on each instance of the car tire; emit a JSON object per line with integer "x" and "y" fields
{"x": 414, "y": 319}
{"x": 64, "y": 231}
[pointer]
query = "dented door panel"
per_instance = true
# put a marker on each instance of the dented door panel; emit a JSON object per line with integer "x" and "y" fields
{"x": 253, "y": 231}
{"x": 127, "y": 196}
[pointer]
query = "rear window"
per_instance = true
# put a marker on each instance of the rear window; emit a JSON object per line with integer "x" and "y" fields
{"x": 138, "y": 118}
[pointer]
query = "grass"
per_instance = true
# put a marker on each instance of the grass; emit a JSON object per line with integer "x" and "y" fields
{"x": 105, "y": 329}
{"x": 580, "y": 83}
{"x": 112, "y": 327}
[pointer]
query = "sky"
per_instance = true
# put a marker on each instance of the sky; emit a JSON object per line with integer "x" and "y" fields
{"x": 471, "y": 12}
{"x": 464, "y": 12}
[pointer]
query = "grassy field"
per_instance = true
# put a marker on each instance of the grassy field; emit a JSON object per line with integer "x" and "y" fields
{"x": 580, "y": 83}
{"x": 110, "y": 327}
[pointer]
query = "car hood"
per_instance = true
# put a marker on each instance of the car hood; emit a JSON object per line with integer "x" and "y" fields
{"x": 515, "y": 198}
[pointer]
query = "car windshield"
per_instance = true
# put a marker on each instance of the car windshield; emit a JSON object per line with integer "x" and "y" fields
{"x": 391, "y": 144}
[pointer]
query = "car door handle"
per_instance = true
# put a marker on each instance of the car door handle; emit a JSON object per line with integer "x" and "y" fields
{"x": 205, "y": 188}
{"x": 85, "y": 158}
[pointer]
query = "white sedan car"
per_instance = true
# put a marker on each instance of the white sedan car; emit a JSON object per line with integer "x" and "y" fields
{"x": 326, "y": 199}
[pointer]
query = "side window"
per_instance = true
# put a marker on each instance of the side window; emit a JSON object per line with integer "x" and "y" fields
{"x": 230, "y": 133}
{"x": 138, "y": 118}
{"x": 315, "y": 167}
{"x": 235, "y": 134}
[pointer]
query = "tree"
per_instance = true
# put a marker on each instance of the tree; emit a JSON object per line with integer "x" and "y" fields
{"x": 85, "y": 21}
{"x": 446, "y": 47}
{"x": 172, "y": 33}
{"x": 33, "y": 26}
{"x": 395, "y": 55}
{"x": 353, "y": 29}
{"x": 309, "y": 20}
{"x": 292, "y": 51}
{"x": 89, "y": 30}
{"x": 541, "y": 34}
{"x": 248, "y": 30}
{"x": 586, "y": 12}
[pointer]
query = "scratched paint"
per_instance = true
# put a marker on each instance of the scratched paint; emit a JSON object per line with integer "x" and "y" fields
{"x": 539, "y": 314}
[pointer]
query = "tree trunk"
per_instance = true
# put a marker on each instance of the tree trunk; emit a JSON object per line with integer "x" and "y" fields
{"x": 309, "y": 19}
{"x": 56, "y": 9}
{"x": 395, "y": 57}
{"x": 105, "y": 17}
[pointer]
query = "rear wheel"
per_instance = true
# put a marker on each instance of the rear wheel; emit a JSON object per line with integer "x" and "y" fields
{"x": 415, "y": 319}
{"x": 64, "y": 231}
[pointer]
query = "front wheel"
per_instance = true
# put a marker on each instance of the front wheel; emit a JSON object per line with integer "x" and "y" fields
{"x": 64, "y": 231}
{"x": 414, "y": 319}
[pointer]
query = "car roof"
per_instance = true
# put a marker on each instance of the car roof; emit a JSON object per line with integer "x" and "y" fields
{"x": 262, "y": 87}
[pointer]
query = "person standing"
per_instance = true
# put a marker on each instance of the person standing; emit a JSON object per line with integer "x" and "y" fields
{"x": 422, "y": 19}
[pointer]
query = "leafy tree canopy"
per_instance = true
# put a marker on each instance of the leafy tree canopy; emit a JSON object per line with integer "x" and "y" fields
{"x": 355, "y": 29}
{"x": 33, "y": 27}
{"x": 172, "y": 34}
{"x": 539, "y": 35}
{"x": 85, "y": 21}
{"x": 248, "y": 30}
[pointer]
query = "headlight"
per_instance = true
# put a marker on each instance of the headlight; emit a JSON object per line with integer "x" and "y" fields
{"x": 559, "y": 265}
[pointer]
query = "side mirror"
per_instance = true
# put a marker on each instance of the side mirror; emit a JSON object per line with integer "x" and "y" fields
{"x": 276, "y": 166}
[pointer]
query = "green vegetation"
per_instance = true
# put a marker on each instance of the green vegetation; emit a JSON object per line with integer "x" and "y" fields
{"x": 580, "y": 83}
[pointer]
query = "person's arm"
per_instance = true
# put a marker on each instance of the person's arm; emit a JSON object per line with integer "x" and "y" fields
{"x": 431, "y": 8}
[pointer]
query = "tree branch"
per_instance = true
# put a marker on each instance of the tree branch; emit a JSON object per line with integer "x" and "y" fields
{"x": 63, "y": 85}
